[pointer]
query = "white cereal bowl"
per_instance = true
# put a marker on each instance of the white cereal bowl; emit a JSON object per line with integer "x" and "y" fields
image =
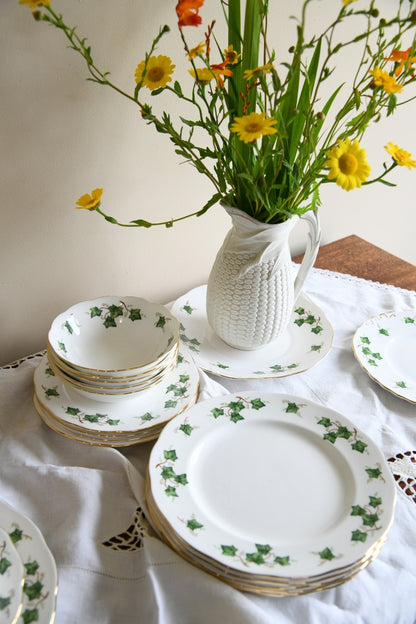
{"x": 113, "y": 335}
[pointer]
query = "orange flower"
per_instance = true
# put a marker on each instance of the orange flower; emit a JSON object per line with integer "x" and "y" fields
{"x": 221, "y": 69}
{"x": 188, "y": 12}
{"x": 401, "y": 57}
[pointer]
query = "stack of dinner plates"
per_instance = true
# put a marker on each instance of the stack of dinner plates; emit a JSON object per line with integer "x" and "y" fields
{"x": 28, "y": 575}
{"x": 113, "y": 373}
{"x": 271, "y": 493}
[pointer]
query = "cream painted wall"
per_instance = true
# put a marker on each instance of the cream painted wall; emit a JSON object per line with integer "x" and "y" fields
{"x": 61, "y": 136}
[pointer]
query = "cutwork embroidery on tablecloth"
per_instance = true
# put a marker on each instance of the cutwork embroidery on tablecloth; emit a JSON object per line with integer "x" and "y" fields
{"x": 17, "y": 363}
{"x": 403, "y": 467}
{"x": 132, "y": 538}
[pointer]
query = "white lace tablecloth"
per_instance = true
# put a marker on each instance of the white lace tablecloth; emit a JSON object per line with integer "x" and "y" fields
{"x": 89, "y": 503}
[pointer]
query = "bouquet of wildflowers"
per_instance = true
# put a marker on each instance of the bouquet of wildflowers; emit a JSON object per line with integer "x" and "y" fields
{"x": 262, "y": 131}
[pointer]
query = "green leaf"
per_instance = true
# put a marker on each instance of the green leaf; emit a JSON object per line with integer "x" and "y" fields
{"x": 292, "y": 408}
{"x": 317, "y": 330}
{"x": 370, "y": 519}
{"x": 171, "y": 491}
{"x": 33, "y": 591}
{"x": 30, "y": 615}
{"x": 358, "y": 536}
{"x": 4, "y": 603}
{"x": 357, "y": 510}
{"x": 181, "y": 479}
{"x": 4, "y": 565}
{"x": 194, "y": 524}
{"x": 62, "y": 346}
{"x": 373, "y": 473}
{"x": 375, "y": 501}
{"x": 257, "y": 404}
{"x": 187, "y": 429}
{"x": 236, "y": 416}
{"x": 256, "y": 558}
{"x": 343, "y": 432}
{"x": 327, "y": 554}
{"x": 115, "y": 311}
{"x": 183, "y": 378}
{"x": 170, "y": 455}
{"x": 92, "y": 418}
{"x": 95, "y": 312}
{"x": 52, "y": 392}
{"x": 167, "y": 472}
{"x": 264, "y": 549}
{"x": 31, "y": 567}
{"x": 161, "y": 322}
{"x": 283, "y": 561}
{"x": 401, "y": 384}
{"x": 359, "y": 446}
{"x": 325, "y": 422}
{"x": 16, "y": 535}
{"x": 109, "y": 322}
{"x": 331, "y": 437}
{"x": 113, "y": 422}
{"x": 365, "y": 340}
{"x": 135, "y": 314}
{"x": 384, "y": 332}
{"x": 146, "y": 417}
{"x": 409, "y": 319}
{"x": 316, "y": 347}
{"x": 217, "y": 412}
{"x": 170, "y": 404}
{"x": 72, "y": 411}
{"x": 229, "y": 551}
{"x": 69, "y": 328}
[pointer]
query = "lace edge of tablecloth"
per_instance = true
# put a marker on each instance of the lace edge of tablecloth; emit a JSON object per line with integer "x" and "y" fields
{"x": 358, "y": 280}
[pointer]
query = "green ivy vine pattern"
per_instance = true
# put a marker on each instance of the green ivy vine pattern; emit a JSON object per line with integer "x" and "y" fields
{"x": 34, "y": 591}
{"x": 305, "y": 317}
{"x": 371, "y": 356}
{"x": 369, "y": 516}
{"x": 336, "y": 431}
{"x": 262, "y": 555}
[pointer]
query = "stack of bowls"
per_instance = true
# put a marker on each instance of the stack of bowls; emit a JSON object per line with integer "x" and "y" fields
{"x": 111, "y": 348}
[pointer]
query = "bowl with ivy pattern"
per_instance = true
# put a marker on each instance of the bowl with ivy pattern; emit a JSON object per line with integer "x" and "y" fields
{"x": 112, "y": 337}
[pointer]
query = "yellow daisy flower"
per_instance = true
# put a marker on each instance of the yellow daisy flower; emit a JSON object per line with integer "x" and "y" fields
{"x": 383, "y": 79}
{"x": 158, "y": 72}
{"x": 194, "y": 52}
{"x": 230, "y": 55}
{"x": 345, "y": 2}
{"x": 35, "y": 4}
{"x": 202, "y": 75}
{"x": 90, "y": 202}
{"x": 253, "y": 126}
{"x": 347, "y": 164}
{"x": 400, "y": 156}
{"x": 258, "y": 71}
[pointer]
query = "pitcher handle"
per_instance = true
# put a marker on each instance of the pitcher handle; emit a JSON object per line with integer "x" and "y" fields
{"x": 312, "y": 247}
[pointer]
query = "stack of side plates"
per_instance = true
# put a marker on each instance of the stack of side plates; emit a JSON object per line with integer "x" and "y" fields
{"x": 113, "y": 374}
{"x": 271, "y": 493}
{"x": 118, "y": 423}
{"x": 28, "y": 576}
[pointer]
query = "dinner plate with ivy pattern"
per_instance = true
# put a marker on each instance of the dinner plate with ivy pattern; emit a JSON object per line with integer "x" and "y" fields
{"x": 385, "y": 346}
{"x": 11, "y": 580}
{"x": 41, "y": 579}
{"x": 121, "y": 423}
{"x": 307, "y": 340}
{"x": 271, "y": 486}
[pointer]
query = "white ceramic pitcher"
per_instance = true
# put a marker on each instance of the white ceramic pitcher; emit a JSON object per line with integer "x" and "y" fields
{"x": 251, "y": 288}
